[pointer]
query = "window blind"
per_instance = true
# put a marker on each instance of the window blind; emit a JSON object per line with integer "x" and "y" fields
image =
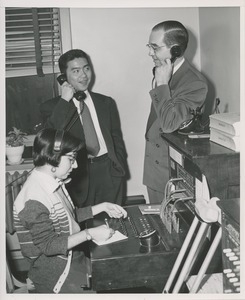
{"x": 33, "y": 41}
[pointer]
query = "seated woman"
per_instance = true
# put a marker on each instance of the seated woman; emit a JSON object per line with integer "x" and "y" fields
{"x": 47, "y": 222}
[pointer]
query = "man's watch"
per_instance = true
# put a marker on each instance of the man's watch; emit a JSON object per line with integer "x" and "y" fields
{"x": 88, "y": 235}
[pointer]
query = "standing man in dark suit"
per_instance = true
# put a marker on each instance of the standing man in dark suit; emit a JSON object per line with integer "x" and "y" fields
{"x": 100, "y": 176}
{"x": 178, "y": 89}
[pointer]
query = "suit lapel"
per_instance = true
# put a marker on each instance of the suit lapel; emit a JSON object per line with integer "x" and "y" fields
{"x": 101, "y": 110}
{"x": 176, "y": 78}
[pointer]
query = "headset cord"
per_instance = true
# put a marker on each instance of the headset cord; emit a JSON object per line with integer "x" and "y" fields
{"x": 73, "y": 120}
{"x": 23, "y": 174}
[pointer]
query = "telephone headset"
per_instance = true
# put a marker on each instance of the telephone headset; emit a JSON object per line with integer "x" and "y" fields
{"x": 58, "y": 140}
{"x": 79, "y": 95}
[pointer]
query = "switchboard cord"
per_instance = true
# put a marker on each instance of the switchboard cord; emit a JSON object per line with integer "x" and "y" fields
{"x": 174, "y": 199}
{"x": 180, "y": 199}
{"x": 168, "y": 194}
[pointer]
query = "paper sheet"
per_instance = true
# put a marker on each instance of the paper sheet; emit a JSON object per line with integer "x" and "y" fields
{"x": 117, "y": 236}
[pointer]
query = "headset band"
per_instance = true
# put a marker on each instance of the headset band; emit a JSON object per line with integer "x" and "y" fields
{"x": 58, "y": 140}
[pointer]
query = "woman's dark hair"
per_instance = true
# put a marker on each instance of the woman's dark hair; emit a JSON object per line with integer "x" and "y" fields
{"x": 175, "y": 33}
{"x": 43, "y": 148}
{"x": 71, "y": 55}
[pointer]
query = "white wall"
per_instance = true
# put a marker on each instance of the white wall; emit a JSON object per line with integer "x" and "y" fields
{"x": 220, "y": 54}
{"x": 116, "y": 41}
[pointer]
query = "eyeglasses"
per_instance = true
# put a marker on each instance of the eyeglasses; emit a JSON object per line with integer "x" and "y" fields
{"x": 155, "y": 48}
{"x": 72, "y": 158}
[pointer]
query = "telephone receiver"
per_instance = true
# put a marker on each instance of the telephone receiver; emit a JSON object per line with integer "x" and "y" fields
{"x": 79, "y": 95}
{"x": 175, "y": 53}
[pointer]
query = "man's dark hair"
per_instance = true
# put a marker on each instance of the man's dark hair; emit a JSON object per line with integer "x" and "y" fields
{"x": 70, "y": 55}
{"x": 43, "y": 147}
{"x": 175, "y": 33}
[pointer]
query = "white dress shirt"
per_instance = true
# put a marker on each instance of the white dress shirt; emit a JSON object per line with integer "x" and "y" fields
{"x": 178, "y": 65}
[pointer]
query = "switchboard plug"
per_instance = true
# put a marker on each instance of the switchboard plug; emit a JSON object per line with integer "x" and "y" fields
{"x": 175, "y": 222}
{"x": 177, "y": 192}
{"x": 166, "y": 217}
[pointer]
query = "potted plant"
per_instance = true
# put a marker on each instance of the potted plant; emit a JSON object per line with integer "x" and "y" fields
{"x": 15, "y": 146}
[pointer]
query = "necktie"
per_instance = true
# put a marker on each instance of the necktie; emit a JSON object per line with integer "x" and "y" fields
{"x": 91, "y": 139}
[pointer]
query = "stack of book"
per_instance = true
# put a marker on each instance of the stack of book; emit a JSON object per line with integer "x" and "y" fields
{"x": 225, "y": 130}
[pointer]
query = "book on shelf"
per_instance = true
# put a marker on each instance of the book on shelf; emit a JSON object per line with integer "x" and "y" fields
{"x": 227, "y": 140}
{"x": 229, "y": 123}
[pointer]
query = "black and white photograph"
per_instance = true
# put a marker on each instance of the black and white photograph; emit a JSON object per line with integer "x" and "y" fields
{"x": 122, "y": 145}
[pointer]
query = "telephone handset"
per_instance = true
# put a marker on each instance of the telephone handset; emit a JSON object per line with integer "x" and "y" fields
{"x": 175, "y": 53}
{"x": 79, "y": 95}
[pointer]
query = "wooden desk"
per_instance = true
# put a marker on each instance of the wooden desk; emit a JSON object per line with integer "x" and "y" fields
{"x": 128, "y": 264}
{"x": 192, "y": 158}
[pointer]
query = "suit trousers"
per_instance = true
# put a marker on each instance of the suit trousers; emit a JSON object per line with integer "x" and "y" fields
{"x": 103, "y": 187}
{"x": 155, "y": 197}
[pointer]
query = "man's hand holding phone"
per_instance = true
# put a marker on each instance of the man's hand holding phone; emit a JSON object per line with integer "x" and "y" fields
{"x": 67, "y": 91}
{"x": 164, "y": 72}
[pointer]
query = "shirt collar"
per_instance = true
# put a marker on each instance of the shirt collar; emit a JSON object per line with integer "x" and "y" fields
{"x": 51, "y": 184}
{"x": 176, "y": 68}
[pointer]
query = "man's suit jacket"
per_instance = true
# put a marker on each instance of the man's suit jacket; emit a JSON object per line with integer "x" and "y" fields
{"x": 170, "y": 107}
{"x": 64, "y": 114}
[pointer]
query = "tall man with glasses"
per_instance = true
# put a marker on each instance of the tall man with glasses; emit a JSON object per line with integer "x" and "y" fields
{"x": 177, "y": 89}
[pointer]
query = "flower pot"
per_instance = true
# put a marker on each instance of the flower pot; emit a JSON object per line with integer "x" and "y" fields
{"x": 14, "y": 154}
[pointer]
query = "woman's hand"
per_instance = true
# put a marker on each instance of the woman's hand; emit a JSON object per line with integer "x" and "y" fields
{"x": 101, "y": 233}
{"x": 113, "y": 210}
